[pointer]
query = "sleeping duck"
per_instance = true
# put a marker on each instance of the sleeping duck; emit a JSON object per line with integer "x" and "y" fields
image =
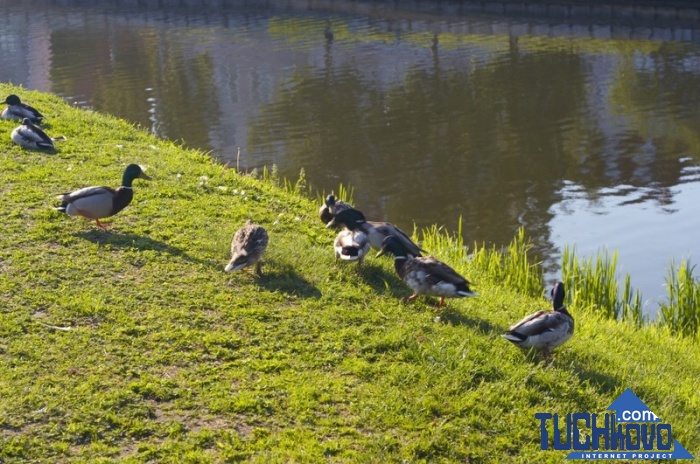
{"x": 376, "y": 231}
{"x": 351, "y": 245}
{"x": 545, "y": 329}
{"x": 101, "y": 202}
{"x": 426, "y": 276}
{"x": 247, "y": 247}
{"x": 28, "y": 135}
{"x": 331, "y": 207}
{"x": 18, "y": 111}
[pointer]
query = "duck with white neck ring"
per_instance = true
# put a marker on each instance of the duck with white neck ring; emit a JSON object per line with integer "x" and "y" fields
{"x": 101, "y": 202}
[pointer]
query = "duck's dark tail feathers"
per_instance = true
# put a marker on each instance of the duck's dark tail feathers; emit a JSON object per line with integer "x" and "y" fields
{"x": 464, "y": 290}
{"x": 350, "y": 251}
{"x": 64, "y": 203}
{"x": 467, "y": 293}
{"x": 514, "y": 337}
{"x": 45, "y": 145}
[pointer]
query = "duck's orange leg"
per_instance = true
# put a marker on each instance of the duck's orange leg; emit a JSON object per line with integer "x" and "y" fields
{"x": 100, "y": 225}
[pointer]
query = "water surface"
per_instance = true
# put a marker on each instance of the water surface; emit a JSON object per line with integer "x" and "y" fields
{"x": 580, "y": 124}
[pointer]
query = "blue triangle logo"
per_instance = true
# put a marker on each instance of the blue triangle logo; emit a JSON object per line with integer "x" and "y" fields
{"x": 679, "y": 452}
{"x": 629, "y": 408}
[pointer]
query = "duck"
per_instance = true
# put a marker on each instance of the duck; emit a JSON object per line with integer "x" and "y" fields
{"x": 247, "y": 247}
{"x": 330, "y": 207}
{"x": 101, "y": 202}
{"x": 353, "y": 219}
{"x": 425, "y": 275}
{"x": 28, "y": 135}
{"x": 544, "y": 330}
{"x": 18, "y": 111}
{"x": 351, "y": 245}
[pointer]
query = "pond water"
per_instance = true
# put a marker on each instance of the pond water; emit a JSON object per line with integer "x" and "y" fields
{"x": 581, "y": 124}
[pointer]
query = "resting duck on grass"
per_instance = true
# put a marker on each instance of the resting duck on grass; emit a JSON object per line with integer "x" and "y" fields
{"x": 247, "y": 247}
{"x": 101, "y": 202}
{"x": 376, "y": 231}
{"x": 331, "y": 207}
{"x": 18, "y": 111}
{"x": 545, "y": 329}
{"x": 28, "y": 135}
{"x": 426, "y": 276}
{"x": 351, "y": 245}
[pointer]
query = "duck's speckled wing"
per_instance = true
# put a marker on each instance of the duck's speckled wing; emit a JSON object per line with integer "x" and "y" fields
{"x": 537, "y": 322}
{"x": 247, "y": 247}
{"x": 436, "y": 271}
{"x": 543, "y": 329}
{"x": 430, "y": 276}
{"x": 252, "y": 239}
{"x": 377, "y": 231}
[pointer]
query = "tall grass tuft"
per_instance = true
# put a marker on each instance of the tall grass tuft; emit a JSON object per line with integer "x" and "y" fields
{"x": 301, "y": 186}
{"x": 632, "y": 304}
{"x": 451, "y": 246}
{"x": 512, "y": 266}
{"x": 682, "y": 311}
{"x": 593, "y": 284}
{"x": 271, "y": 175}
{"x": 344, "y": 194}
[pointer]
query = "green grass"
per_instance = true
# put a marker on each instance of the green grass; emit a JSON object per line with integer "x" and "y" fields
{"x": 168, "y": 359}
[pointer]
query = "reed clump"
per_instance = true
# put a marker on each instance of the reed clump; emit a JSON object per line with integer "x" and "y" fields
{"x": 681, "y": 314}
{"x": 514, "y": 265}
{"x": 594, "y": 284}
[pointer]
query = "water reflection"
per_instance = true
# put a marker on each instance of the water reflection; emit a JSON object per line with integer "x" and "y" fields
{"x": 508, "y": 115}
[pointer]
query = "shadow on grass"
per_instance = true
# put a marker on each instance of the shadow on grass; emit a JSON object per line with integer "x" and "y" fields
{"x": 580, "y": 367}
{"x": 138, "y": 242}
{"x": 43, "y": 151}
{"x": 605, "y": 383}
{"x": 283, "y": 278}
{"x": 383, "y": 282}
{"x": 453, "y": 316}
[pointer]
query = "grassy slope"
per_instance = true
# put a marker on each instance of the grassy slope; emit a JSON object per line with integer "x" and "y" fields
{"x": 172, "y": 360}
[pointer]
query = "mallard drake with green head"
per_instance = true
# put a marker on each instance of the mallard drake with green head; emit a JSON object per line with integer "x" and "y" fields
{"x": 545, "y": 329}
{"x": 247, "y": 247}
{"x": 376, "y": 231}
{"x": 351, "y": 245}
{"x": 28, "y": 135}
{"x": 425, "y": 275}
{"x": 331, "y": 207}
{"x": 101, "y": 202}
{"x": 18, "y": 111}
